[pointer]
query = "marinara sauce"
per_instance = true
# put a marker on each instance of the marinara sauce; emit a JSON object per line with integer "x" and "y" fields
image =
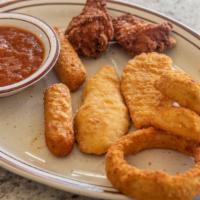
{"x": 21, "y": 54}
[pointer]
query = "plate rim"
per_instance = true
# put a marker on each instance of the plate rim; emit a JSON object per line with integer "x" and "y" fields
{"x": 133, "y": 5}
{"x": 18, "y": 167}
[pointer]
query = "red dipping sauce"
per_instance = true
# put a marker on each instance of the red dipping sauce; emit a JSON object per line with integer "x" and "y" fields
{"x": 21, "y": 54}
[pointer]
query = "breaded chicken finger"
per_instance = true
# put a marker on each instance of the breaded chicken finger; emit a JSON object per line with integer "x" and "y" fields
{"x": 58, "y": 120}
{"x": 137, "y": 86}
{"x": 181, "y": 88}
{"x": 69, "y": 68}
{"x": 147, "y": 105}
{"x": 103, "y": 117}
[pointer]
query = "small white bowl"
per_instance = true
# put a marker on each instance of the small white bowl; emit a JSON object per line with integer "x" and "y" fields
{"x": 47, "y": 36}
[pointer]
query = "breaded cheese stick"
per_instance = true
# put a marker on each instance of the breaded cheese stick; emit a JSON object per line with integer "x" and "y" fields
{"x": 103, "y": 116}
{"x": 181, "y": 88}
{"x": 69, "y": 68}
{"x": 59, "y": 132}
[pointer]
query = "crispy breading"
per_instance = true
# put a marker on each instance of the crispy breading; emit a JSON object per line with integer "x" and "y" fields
{"x": 147, "y": 105}
{"x": 147, "y": 184}
{"x": 91, "y": 31}
{"x": 59, "y": 131}
{"x": 181, "y": 88}
{"x": 103, "y": 116}
{"x": 69, "y": 68}
{"x": 137, "y": 36}
{"x": 137, "y": 86}
{"x": 177, "y": 120}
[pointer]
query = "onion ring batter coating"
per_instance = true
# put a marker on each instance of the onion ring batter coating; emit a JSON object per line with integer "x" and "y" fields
{"x": 180, "y": 87}
{"x": 152, "y": 185}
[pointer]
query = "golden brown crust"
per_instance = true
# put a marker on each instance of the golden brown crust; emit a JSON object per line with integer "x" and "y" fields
{"x": 152, "y": 185}
{"x": 180, "y": 87}
{"x": 147, "y": 105}
{"x": 69, "y": 68}
{"x": 103, "y": 116}
{"x": 137, "y": 36}
{"x": 178, "y": 120}
{"x": 59, "y": 132}
{"x": 137, "y": 86}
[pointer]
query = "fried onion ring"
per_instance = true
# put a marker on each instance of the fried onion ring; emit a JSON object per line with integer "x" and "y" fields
{"x": 152, "y": 185}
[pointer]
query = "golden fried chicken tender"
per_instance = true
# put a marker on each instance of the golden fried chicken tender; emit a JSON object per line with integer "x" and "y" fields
{"x": 147, "y": 105}
{"x": 103, "y": 116}
{"x": 137, "y": 86}
{"x": 69, "y": 68}
{"x": 59, "y": 132}
{"x": 181, "y": 88}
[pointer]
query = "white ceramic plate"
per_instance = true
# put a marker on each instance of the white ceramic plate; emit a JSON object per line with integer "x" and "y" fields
{"x": 22, "y": 147}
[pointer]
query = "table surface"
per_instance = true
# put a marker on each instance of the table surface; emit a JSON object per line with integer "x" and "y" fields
{"x": 13, "y": 187}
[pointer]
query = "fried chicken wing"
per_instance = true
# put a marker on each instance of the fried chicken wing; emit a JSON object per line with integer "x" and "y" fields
{"x": 69, "y": 68}
{"x": 59, "y": 131}
{"x": 137, "y": 36}
{"x": 181, "y": 88}
{"x": 90, "y": 32}
{"x": 103, "y": 116}
{"x": 147, "y": 105}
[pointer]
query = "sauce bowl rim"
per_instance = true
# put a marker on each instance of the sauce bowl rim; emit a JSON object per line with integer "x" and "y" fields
{"x": 52, "y": 52}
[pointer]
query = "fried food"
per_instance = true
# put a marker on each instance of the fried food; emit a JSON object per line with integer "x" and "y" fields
{"x": 181, "y": 88}
{"x": 178, "y": 120}
{"x": 103, "y": 116}
{"x": 147, "y": 105}
{"x": 137, "y": 36}
{"x": 69, "y": 68}
{"x": 152, "y": 185}
{"x": 137, "y": 86}
{"x": 59, "y": 132}
{"x": 90, "y": 32}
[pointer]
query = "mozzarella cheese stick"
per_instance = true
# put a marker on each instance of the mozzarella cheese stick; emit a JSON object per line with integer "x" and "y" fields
{"x": 59, "y": 132}
{"x": 69, "y": 68}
